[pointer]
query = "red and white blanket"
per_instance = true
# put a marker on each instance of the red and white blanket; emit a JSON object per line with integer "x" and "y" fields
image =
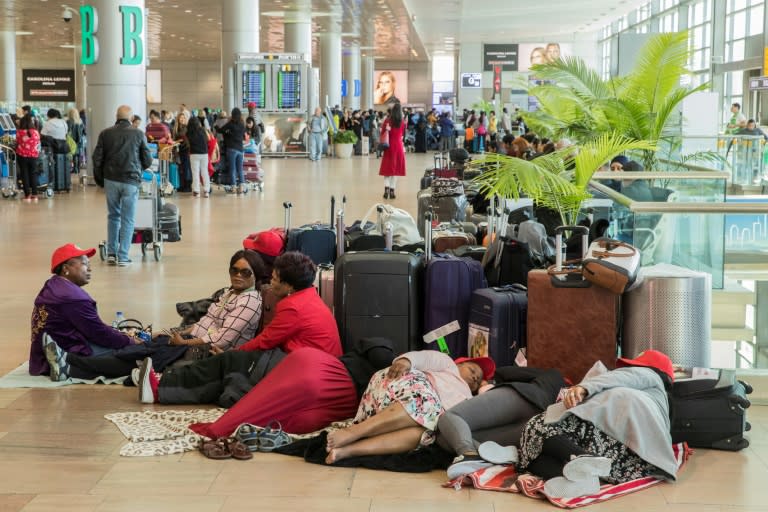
{"x": 505, "y": 479}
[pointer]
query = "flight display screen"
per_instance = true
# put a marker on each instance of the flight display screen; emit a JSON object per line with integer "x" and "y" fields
{"x": 254, "y": 88}
{"x": 288, "y": 90}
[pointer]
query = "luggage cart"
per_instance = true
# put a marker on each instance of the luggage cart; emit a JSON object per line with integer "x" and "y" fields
{"x": 146, "y": 229}
{"x": 8, "y": 173}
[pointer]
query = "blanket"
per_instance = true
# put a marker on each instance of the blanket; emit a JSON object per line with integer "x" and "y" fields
{"x": 20, "y": 378}
{"x": 505, "y": 479}
{"x": 166, "y": 432}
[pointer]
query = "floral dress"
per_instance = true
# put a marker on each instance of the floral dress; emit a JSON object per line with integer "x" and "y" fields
{"x": 626, "y": 466}
{"x": 413, "y": 391}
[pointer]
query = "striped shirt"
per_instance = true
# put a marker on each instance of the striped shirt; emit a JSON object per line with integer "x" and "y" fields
{"x": 231, "y": 321}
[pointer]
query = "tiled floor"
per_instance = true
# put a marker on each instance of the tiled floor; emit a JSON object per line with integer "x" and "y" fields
{"x": 58, "y": 453}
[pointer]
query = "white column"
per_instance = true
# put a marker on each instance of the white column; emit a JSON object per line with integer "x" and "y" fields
{"x": 110, "y": 82}
{"x": 352, "y": 74}
{"x": 330, "y": 69}
{"x": 368, "y": 66}
{"x": 298, "y": 32}
{"x": 8, "y": 68}
{"x": 81, "y": 95}
{"x": 239, "y": 34}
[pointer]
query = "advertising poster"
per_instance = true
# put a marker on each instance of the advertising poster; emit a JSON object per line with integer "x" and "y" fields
{"x": 541, "y": 53}
{"x": 48, "y": 84}
{"x": 504, "y": 55}
{"x": 284, "y": 133}
{"x": 390, "y": 87}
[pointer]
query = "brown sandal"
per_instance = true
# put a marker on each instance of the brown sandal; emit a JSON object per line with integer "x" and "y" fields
{"x": 237, "y": 449}
{"x": 215, "y": 449}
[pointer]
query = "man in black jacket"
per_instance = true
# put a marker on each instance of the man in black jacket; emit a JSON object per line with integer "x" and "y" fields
{"x": 118, "y": 161}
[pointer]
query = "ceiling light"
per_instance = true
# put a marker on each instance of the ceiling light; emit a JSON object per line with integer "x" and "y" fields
{"x": 187, "y": 11}
{"x": 24, "y": 33}
{"x": 66, "y": 46}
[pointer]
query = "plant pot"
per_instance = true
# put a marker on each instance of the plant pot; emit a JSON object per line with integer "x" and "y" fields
{"x": 343, "y": 150}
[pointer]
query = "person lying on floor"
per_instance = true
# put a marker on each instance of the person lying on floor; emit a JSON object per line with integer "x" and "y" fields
{"x": 307, "y": 391}
{"x": 68, "y": 313}
{"x": 613, "y": 426}
{"x": 402, "y": 404}
{"x": 495, "y": 418}
{"x": 229, "y": 323}
{"x": 301, "y": 320}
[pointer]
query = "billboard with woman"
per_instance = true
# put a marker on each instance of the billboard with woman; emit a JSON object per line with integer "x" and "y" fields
{"x": 390, "y": 87}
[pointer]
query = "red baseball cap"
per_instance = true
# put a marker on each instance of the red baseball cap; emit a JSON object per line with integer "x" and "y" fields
{"x": 251, "y": 104}
{"x": 269, "y": 242}
{"x": 69, "y": 251}
{"x": 650, "y": 359}
{"x": 486, "y": 364}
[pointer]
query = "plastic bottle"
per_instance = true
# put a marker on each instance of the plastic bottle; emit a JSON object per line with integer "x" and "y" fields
{"x": 119, "y": 318}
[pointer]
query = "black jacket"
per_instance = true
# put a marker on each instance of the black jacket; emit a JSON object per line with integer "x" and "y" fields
{"x": 234, "y": 133}
{"x": 367, "y": 357}
{"x": 539, "y": 387}
{"x": 121, "y": 154}
{"x": 198, "y": 143}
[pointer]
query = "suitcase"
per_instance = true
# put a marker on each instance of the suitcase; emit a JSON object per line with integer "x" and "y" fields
{"x": 571, "y": 324}
{"x": 426, "y": 180}
{"x": 378, "y": 293}
{"x": 169, "y": 222}
{"x": 445, "y": 209}
{"x": 365, "y": 146}
{"x": 173, "y": 175}
{"x": 710, "y": 413}
{"x": 60, "y": 173}
{"x": 318, "y": 241}
{"x": 497, "y": 323}
{"x": 324, "y": 284}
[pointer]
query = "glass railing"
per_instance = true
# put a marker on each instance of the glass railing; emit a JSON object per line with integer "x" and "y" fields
{"x": 743, "y": 156}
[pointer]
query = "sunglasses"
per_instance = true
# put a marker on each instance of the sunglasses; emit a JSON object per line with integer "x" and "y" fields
{"x": 244, "y": 272}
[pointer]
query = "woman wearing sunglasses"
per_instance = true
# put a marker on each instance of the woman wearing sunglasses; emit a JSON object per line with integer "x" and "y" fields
{"x": 228, "y": 324}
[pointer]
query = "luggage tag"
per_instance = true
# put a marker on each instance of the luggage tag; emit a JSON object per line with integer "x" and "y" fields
{"x": 439, "y": 335}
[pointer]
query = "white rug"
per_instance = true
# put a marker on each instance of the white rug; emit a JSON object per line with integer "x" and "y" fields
{"x": 20, "y": 378}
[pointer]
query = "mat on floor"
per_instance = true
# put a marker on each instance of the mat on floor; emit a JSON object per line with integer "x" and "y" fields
{"x": 504, "y": 479}
{"x": 20, "y": 378}
{"x": 166, "y": 432}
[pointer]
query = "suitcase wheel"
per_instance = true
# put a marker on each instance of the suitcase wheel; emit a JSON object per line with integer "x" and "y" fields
{"x": 740, "y": 401}
{"x": 747, "y": 426}
{"x": 747, "y": 388}
{"x": 731, "y": 444}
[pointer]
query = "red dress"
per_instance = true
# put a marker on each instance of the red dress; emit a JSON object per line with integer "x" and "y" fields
{"x": 393, "y": 161}
{"x": 307, "y": 391}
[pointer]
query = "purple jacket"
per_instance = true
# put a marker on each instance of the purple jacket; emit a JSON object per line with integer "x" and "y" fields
{"x": 68, "y": 314}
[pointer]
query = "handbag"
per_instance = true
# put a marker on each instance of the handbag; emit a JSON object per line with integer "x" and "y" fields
{"x": 384, "y": 140}
{"x": 404, "y": 230}
{"x": 611, "y": 264}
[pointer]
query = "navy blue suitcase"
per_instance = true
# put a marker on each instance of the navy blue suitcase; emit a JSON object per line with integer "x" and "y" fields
{"x": 61, "y": 172}
{"x": 318, "y": 241}
{"x": 497, "y": 323}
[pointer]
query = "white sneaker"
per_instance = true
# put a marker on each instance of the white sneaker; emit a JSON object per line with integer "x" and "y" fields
{"x": 135, "y": 376}
{"x": 146, "y": 395}
{"x": 57, "y": 359}
{"x": 561, "y": 487}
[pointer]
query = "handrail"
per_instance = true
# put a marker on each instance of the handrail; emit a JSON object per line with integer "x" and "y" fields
{"x": 692, "y": 167}
{"x": 688, "y": 175}
{"x": 617, "y": 197}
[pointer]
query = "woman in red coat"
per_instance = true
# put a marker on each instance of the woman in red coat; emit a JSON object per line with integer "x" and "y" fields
{"x": 393, "y": 161}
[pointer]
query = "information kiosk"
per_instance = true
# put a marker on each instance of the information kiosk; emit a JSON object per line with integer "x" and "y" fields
{"x": 280, "y": 85}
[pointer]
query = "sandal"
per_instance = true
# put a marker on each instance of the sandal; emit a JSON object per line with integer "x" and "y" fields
{"x": 215, "y": 449}
{"x": 248, "y": 435}
{"x": 237, "y": 449}
{"x": 271, "y": 437}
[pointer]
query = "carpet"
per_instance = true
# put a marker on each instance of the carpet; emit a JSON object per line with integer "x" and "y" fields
{"x": 505, "y": 478}
{"x": 20, "y": 378}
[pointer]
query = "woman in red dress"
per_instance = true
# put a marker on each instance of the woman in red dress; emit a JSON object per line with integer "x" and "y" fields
{"x": 393, "y": 161}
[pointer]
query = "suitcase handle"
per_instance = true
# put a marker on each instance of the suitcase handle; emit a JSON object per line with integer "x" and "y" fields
{"x": 428, "y": 235}
{"x": 287, "y": 205}
{"x": 333, "y": 208}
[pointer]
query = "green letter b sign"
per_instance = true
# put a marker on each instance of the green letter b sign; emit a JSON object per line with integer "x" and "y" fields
{"x": 89, "y": 21}
{"x": 133, "y": 25}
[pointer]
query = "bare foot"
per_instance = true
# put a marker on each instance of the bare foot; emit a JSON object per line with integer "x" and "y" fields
{"x": 339, "y": 438}
{"x": 336, "y": 455}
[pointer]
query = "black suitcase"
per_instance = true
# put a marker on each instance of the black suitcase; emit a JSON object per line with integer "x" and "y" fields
{"x": 61, "y": 176}
{"x": 169, "y": 222}
{"x": 497, "y": 323}
{"x": 710, "y": 413}
{"x": 318, "y": 241}
{"x": 377, "y": 293}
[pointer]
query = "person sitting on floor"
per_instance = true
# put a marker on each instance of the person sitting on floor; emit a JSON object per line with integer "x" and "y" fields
{"x": 402, "y": 404}
{"x": 301, "y": 320}
{"x": 229, "y": 323}
{"x": 498, "y": 415}
{"x": 64, "y": 311}
{"x": 612, "y": 426}
{"x": 307, "y": 391}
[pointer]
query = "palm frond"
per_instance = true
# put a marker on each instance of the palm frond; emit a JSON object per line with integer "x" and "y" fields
{"x": 574, "y": 74}
{"x": 595, "y": 153}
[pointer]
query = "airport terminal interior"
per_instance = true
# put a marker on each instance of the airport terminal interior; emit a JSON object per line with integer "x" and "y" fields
{"x": 57, "y": 450}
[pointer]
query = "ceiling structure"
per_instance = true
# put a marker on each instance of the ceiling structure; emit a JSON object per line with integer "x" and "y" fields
{"x": 402, "y": 30}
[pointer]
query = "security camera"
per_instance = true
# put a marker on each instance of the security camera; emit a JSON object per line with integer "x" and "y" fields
{"x": 67, "y": 15}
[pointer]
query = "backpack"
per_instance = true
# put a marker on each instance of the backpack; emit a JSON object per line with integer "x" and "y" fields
{"x": 72, "y": 145}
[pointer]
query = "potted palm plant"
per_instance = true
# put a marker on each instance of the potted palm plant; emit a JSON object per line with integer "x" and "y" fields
{"x": 343, "y": 142}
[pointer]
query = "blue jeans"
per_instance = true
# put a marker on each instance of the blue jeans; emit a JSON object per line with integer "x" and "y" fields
{"x": 235, "y": 160}
{"x": 315, "y": 145}
{"x": 121, "y": 214}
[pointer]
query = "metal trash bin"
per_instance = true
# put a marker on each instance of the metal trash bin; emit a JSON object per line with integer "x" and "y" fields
{"x": 670, "y": 311}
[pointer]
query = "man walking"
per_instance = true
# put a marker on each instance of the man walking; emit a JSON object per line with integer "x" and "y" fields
{"x": 318, "y": 127}
{"x": 118, "y": 160}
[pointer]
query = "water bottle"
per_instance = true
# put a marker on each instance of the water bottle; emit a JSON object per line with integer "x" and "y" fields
{"x": 119, "y": 318}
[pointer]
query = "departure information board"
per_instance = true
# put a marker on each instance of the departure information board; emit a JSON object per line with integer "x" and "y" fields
{"x": 254, "y": 88}
{"x": 288, "y": 90}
